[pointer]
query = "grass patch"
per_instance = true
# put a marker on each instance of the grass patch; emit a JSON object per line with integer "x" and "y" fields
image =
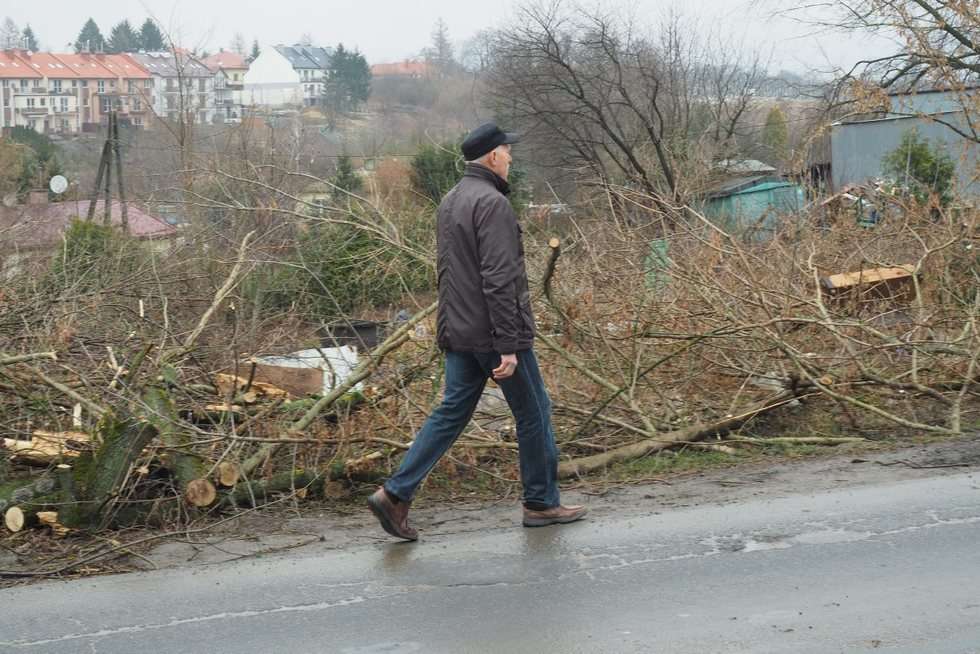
{"x": 673, "y": 462}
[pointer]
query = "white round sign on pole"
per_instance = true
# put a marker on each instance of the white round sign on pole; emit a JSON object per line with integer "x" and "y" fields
{"x": 58, "y": 184}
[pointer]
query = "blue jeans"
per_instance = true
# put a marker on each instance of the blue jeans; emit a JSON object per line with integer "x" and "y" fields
{"x": 466, "y": 376}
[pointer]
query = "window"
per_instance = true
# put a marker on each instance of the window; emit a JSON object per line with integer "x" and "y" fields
{"x": 65, "y": 125}
{"x": 23, "y": 85}
{"x": 106, "y": 105}
{"x": 32, "y": 124}
{"x": 138, "y": 121}
{"x": 112, "y": 83}
{"x": 202, "y": 85}
{"x": 137, "y": 104}
{"x": 203, "y": 117}
{"x": 84, "y": 83}
{"x": 101, "y": 86}
{"x": 170, "y": 103}
{"x": 30, "y": 103}
{"x": 131, "y": 86}
{"x": 202, "y": 100}
{"x": 148, "y": 84}
{"x": 64, "y": 104}
{"x": 57, "y": 85}
{"x": 43, "y": 103}
{"x": 74, "y": 83}
{"x": 236, "y": 77}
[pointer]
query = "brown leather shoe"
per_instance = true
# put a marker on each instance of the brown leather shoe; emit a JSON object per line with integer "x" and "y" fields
{"x": 552, "y": 516}
{"x": 393, "y": 517}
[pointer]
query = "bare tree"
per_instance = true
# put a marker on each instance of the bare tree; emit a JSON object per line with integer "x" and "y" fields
{"x": 10, "y": 35}
{"x": 605, "y": 96}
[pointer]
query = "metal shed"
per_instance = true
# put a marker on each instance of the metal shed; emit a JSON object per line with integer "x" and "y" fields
{"x": 749, "y": 206}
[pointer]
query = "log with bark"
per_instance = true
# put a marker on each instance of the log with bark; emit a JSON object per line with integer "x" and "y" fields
{"x": 47, "y": 447}
{"x": 658, "y": 442}
{"x": 189, "y": 471}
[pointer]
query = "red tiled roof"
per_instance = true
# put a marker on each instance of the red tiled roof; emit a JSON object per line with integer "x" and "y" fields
{"x": 39, "y": 226}
{"x": 87, "y": 66}
{"x": 47, "y": 65}
{"x": 403, "y": 68}
{"x": 124, "y": 66}
{"x": 224, "y": 60}
{"x": 13, "y": 67}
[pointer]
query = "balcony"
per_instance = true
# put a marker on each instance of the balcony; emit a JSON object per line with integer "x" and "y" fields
{"x": 33, "y": 111}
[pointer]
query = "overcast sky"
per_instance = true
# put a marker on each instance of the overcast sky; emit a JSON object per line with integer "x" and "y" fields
{"x": 388, "y": 30}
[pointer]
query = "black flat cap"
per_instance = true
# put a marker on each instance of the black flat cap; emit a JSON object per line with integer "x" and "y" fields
{"x": 484, "y": 139}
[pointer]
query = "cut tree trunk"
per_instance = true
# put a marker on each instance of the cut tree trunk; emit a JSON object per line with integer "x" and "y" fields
{"x": 228, "y": 474}
{"x": 46, "y": 447}
{"x": 122, "y": 441}
{"x": 188, "y": 470}
{"x": 200, "y": 493}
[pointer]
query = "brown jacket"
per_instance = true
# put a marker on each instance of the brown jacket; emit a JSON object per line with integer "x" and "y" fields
{"x": 484, "y": 304}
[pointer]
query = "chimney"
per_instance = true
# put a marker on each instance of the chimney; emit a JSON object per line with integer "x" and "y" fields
{"x": 37, "y": 197}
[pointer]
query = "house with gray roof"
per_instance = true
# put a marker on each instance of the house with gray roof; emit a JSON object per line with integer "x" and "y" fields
{"x": 183, "y": 86}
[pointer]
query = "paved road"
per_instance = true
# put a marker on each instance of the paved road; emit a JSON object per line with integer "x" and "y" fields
{"x": 893, "y": 568}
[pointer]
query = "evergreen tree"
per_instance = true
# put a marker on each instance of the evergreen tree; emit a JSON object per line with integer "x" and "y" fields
{"x": 151, "y": 39}
{"x": 775, "y": 136}
{"x": 435, "y": 170}
{"x": 255, "y": 51}
{"x": 924, "y": 170}
{"x": 347, "y": 81}
{"x": 440, "y": 53}
{"x": 30, "y": 39}
{"x": 123, "y": 38}
{"x": 238, "y": 45}
{"x": 90, "y": 39}
{"x": 10, "y": 36}
{"x": 345, "y": 179}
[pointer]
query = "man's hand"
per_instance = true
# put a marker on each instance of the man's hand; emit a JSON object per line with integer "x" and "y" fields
{"x": 508, "y": 364}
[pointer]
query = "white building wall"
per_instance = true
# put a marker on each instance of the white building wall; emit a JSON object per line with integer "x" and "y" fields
{"x": 272, "y": 81}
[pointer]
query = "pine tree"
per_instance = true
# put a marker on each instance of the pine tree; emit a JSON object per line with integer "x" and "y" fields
{"x": 238, "y": 45}
{"x": 440, "y": 53}
{"x": 347, "y": 80}
{"x": 10, "y": 36}
{"x": 151, "y": 39}
{"x": 775, "y": 136}
{"x": 255, "y": 51}
{"x": 30, "y": 39}
{"x": 345, "y": 179}
{"x": 123, "y": 38}
{"x": 90, "y": 39}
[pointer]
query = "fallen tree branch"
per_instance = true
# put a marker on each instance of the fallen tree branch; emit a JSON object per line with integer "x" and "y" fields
{"x": 585, "y": 465}
{"x": 21, "y": 358}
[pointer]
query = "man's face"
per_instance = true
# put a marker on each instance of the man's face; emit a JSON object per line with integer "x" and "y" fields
{"x": 500, "y": 161}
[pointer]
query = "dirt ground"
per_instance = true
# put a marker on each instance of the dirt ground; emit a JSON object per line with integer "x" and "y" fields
{"x": 314, "y": 529}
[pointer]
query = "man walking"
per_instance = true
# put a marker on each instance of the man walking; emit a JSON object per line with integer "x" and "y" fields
{"x": 486, "y": 328}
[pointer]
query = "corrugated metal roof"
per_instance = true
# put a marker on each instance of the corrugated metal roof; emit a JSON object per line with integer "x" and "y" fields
{"x": 742, "y": 184}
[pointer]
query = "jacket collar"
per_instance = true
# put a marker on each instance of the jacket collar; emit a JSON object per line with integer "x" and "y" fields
{"x": 479, "y": 171}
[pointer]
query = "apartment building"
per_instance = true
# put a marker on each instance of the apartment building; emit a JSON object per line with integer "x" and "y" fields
{"x": 182, "y": 86}
{"x": 69, "y": 93}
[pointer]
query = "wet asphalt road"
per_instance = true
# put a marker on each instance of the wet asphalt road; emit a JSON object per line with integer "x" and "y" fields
{"x": 892, "y": 568}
